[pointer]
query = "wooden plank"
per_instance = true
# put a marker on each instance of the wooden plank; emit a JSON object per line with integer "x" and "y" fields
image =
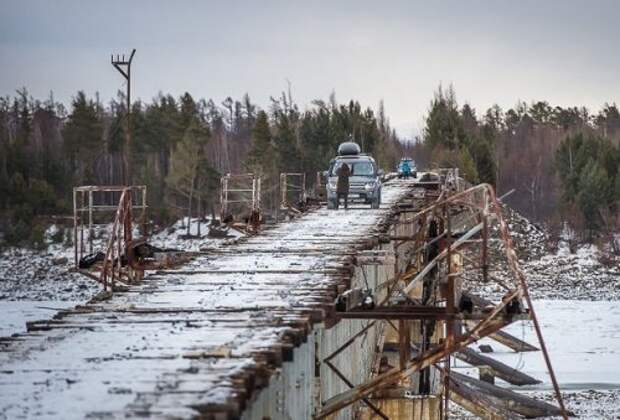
{"x": 510, "y": 400}
{"x": 498, "y": 368}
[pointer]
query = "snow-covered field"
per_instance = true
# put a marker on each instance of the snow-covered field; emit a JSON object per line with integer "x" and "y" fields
{"x": 578, "y": 303}
{"x": 583, "y": 339}
{"x": 46, "y": 275}
{"x": 238, "y": 304}
{"x": 551, "y": 275}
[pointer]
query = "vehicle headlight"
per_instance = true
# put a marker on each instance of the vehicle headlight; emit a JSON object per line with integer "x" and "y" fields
{"x": 369, "y": 186}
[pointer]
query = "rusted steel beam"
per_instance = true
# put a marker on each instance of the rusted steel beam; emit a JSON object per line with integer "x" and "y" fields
{"x": 502, "y": 337}
{"x": 350, "y": 385}
{"x": 401, "y": 312}
{"x": 349, "y": 341}
{"x": 454, "y": 246}
{"x": 487, "y": 326}
{"x": 404, "y": 338}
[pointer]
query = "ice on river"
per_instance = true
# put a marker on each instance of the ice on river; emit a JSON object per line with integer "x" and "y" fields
{"x": 583, "y": 339}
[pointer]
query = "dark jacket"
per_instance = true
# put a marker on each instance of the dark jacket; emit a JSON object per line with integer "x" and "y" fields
{"x": 343, "y": 179}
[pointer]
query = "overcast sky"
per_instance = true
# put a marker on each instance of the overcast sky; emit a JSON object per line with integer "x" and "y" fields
{"x": 565, "y": 52}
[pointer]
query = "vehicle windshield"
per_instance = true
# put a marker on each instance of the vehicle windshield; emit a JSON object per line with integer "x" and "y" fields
{"x": 359, "y": 168}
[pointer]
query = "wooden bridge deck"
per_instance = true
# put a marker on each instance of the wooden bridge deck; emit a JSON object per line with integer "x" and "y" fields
{"x": 192, "y": 340}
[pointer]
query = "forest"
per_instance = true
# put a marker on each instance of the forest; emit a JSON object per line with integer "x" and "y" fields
{"x": 562, "y": 162}
{"x": 180, "y": 147}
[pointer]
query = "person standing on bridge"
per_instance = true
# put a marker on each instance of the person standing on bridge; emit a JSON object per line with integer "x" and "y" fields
{"x": 342, "y": 187}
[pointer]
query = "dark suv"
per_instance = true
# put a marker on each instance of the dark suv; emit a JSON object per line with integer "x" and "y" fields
{"x": 365, "y": 179}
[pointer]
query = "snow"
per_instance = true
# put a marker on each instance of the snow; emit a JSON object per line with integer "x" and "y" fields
{"x": 27, "y": 274}
{"x": 583, "y": 339}
{"x": 15, "y": 314}
{"x": 114, "y": 357}
{"x": 551, "y": 275}
{"x": 34, "y": 275}
{"x": 115, "y": 372}
{"x": 172, "y": 236}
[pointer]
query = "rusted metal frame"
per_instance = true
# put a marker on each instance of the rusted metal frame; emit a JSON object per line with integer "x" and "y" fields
{"x": 349, "y": 341}
{"x": 407, "y": 275}
{"x": 427, "y": 244}
{"x": 404, "y": 338}
{"x": 461, "y": 241}
{"x": 75, "y": 228}
{"x": 254, "y": 204}
{"x": 418, "y": 315}
{"x": 378, "y": 351}
{"x": 90, "y": 222}
{"x": 488, "y": 197}
{"x": 514, "y": 262}
{"x": 441, "y": 201}
{"x": 450, "y": 304}
{"x": 485, "y": 244}
{"x": 284, "y": 187}
{"x": 350, "y": 385}
{"x": 436, "y": 353}
{"x": 428, "y": 358}
{"x": 111, "y": 243}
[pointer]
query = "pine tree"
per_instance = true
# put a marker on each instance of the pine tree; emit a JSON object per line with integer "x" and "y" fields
{"x": 189, "y": 168}
{"x": 444, "y": 125}
{"x": 594, "y": 191}
{"x": 285, "y": 141}
{"x": 83, "y": 138}
{"x": 482, "y": 154}
{"x": 468, "y": 166}
{"x": 261, "y": 157}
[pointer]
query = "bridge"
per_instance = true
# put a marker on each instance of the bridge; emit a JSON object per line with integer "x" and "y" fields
{"x": 335, "y": 314}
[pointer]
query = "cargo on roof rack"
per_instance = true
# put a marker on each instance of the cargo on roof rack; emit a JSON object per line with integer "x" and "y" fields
{"x": 349, "y": 148}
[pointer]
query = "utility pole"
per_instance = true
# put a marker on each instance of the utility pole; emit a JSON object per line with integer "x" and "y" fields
{"x": 124, "y": 67}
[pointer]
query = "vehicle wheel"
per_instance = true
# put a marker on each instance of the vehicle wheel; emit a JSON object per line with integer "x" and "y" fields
{"x": 376, "y": 202}
{"x": 415, "y": 174}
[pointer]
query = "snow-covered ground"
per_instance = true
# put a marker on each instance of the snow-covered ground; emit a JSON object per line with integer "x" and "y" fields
{"x": 173, "y": 236}
{"x": 46, "y": 275}
{"x": 237, "y": 302}
{"x": 35, "y": 284}
{"x": 15, "y": 314}
{"x": 578, "y": 305}
{"x": 558, "y": 274}
{"x": 583, "y": 339}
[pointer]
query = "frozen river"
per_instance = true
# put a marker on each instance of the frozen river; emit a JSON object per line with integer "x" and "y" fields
{"x": 582, "y": 337}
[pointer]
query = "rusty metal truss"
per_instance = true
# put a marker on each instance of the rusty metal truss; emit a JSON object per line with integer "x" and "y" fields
{"x": 449, "y": 236}
{"x": 292, "y": 192}
{"x": 241, "y": 196}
